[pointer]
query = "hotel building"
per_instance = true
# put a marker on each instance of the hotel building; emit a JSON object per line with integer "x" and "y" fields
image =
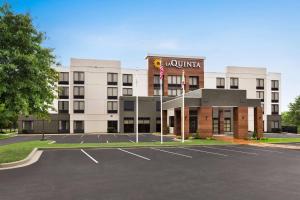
{"x": 99, "y": 96}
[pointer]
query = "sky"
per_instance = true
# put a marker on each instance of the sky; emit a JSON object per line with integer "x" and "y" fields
{"x": 256, "y": 33}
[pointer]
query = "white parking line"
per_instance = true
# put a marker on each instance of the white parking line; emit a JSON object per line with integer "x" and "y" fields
{"x": 81, "y": 142}
{"x": 88, "y": 155}
{"x": 243, "y": 152}
{"x": 208, "y": 152}
{"x": 51, "y": 142}
{"x": 137, "y": 155}
{"x": 170, "y": 152}
{"x": 131, "y": 141}
{"x": 256, "y": 149}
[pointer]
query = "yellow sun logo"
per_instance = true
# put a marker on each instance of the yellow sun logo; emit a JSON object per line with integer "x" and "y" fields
{"x": 157, "y": 63}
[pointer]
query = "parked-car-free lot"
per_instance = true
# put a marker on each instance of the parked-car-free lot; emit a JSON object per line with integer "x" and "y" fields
{"x": 206, "y": 172}
{"x": 88, "y": 138}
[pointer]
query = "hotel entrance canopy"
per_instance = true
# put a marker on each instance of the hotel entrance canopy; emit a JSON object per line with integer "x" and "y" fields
{"x": 213, "y": 98}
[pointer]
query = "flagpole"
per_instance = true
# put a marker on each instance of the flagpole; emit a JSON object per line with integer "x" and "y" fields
{"x": 137, "y": 113}
{"x": 182, "y": 108}
{"x": 161, "y": 93}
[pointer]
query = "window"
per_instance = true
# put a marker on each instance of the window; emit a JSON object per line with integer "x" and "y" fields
{"x": 63, "y": 78}
{"x": 112, "y": 93}
{"x": 260, "y": 95}
{"x": 127, "y": 91}
{"x": 63, "y": 126}
{"x": 78, "y": 92}
{"x": 127, "y": 79}
{"x": 156, "y": 80}
{"x": 27, "y": 125}
{"x": 158, "y": 125}
{"x": 275, "y": 109}
{"x": 275, "y": 97}
{"x": 227, "y": 125}
{"x": 274, "y": 84}
{"x": 144, "y": 124}
{"x": 78, "y": 77}
{"x": 220, "y": 83}
{"x": 174, "y": 92}
{"x": 216, "y": 125}
{"x": 63, "y": 92}
{"x": 171, "y": 121}
{"x": 112, "y": 79}
{"x": 263, "y": 108}
{"x": 112, "y": 107}
{"x": 158, "y": 106}
{"x": 112, "y": 126}
{"x": 128, "y": 105}
{"x": 234, "y": 83}
{"x": 63, "y": 106}
{"x": 156, "y": 92}
{"x": 78, "y": 126}
{"x": 128, "y": 125}
{"x": 274, "y": 124}
{"x": 78, "y": 106}
{"x": 260, "y": 84}
{"x": 174, "y": 81}
{"x": 156, "y": 85}
{"x": 193, "y": 82}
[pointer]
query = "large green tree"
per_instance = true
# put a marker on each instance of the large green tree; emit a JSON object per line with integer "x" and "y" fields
{"x": 27, "y": 80}
{"x": 292, "y": 116}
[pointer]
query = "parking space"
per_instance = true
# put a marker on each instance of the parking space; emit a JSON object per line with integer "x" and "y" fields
{"x": 209, "y": 172}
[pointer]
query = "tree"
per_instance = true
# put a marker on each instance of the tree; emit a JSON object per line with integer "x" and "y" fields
{"x": 27, "y": 81}
{"x": 292, "y": 116}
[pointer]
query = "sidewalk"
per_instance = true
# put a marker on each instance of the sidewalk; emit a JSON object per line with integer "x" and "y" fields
{"x": 226, "y": 138}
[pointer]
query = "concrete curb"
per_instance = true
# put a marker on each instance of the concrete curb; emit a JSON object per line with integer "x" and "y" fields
{"x": 30, "y": 159}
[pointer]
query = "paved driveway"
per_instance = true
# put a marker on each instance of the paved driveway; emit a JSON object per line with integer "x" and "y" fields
{"x": 209, "y": 172}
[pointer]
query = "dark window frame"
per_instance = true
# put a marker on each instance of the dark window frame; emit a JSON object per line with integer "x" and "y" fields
{"x": 65, "y": 106}
{"x": 112, "y": 111}
{"x": 79, "y": 95}
{"x": 78, "y": 81}
{"x": 220, "y": 82}
{"x": 63, "y": 81}
{"x": 79, "y": 110}
{"x": 125, "y": 79}
{"x": 113, "y": 96}
{"x": 112, "y": 81}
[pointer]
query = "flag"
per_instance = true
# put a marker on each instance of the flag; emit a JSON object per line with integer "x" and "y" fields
{"x": 161, "y": 71}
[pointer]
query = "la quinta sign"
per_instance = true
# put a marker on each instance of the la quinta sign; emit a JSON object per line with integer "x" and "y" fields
{"x": 182, "y": 64}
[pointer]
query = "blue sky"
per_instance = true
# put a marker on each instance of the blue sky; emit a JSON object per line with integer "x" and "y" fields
{"x": 254, "y": 33}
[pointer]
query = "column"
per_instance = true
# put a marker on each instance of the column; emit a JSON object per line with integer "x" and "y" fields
{"x": 221, "y": 120}
{"x": 177, "y": 121}
{"x": 205, "y": 121}
{"x": 164, "y": 120}
{"x": 186, "y": 122}
{"x": 258, "y": 122}
{"x": 240, "y": 117}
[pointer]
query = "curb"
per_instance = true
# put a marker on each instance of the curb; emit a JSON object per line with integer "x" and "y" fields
{"x": 30, "y": 159}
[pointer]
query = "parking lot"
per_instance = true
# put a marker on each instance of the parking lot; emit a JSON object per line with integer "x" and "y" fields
{"x": 206, "y": 172}
{"x": 88, "y": 138}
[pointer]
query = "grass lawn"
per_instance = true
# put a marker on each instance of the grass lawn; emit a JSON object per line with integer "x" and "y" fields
{"x": 279, "y": 140}
{"x": 19, "y": 151}
{"x": 5, "y": 136}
